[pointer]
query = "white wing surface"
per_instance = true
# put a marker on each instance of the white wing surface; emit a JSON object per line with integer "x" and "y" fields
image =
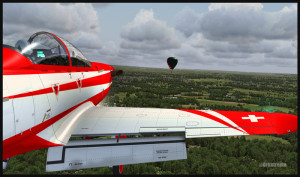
{"x": 105, "y": 121}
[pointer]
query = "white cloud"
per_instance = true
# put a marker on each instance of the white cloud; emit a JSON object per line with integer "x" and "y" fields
{"x": 148, "y": 34}
{"x": 146, "y": 41}
{"x": 291, "y": 8}
{"x": 236, "y": 6}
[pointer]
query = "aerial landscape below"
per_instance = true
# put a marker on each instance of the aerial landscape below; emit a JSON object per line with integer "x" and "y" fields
{"x": 150, "y": 88}
{"x": 217, "y": 90}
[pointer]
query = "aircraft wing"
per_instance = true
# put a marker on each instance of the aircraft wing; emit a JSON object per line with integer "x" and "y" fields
{"x": 194, "y": 123}
{"x": 117, "y": 121}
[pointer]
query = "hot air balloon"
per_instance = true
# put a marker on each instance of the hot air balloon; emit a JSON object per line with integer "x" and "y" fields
{"x": 172, "y": 62}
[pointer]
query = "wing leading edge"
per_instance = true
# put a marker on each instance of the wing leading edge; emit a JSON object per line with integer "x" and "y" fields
{"x": 105, "y": 121}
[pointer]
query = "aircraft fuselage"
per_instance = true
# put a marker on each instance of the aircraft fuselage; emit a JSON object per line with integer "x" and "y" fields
{"x": 37, "y": 99}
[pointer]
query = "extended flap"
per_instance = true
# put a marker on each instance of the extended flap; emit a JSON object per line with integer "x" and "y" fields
{"x": 82, "y": 154}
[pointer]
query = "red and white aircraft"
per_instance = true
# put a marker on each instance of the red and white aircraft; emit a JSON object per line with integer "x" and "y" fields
{"x": 51, "y": 92}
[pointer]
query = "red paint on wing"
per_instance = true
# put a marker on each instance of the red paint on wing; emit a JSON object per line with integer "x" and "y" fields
{"x": 210, "y": 117}
{"x": 284, "y": 123}
{"x": 272, "y": 123}
{"x": 263, "y": 122}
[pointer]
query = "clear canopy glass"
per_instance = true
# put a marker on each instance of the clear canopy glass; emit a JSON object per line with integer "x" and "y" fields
{"x": 48, "y": 49}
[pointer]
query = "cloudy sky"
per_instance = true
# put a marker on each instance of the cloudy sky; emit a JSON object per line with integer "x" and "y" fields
{"x": 259, "y": 37}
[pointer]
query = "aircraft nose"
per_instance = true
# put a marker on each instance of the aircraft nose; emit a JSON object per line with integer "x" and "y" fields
{"x": 285, "y": 123}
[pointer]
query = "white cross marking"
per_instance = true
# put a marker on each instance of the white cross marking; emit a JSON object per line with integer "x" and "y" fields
{"x": 253, "y": 118}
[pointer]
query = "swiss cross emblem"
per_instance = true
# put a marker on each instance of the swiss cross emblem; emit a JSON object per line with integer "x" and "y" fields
{"x": 55, "y": 88}
{"x": 253, "y": 118}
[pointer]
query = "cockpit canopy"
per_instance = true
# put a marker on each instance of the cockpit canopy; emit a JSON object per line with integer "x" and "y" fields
{"x": 48, "y": 49}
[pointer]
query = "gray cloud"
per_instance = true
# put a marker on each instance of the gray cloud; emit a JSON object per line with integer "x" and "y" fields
{"x": 49, "y": 15}
{"x": 242, "y": 34}
{"x": 95, "y": 5}
{"x": 20, "y": 20}
{"x": 220, "y": 46}
{"x": 239, "y": 23}
{"x": 198, "y": 58}
{"x": 279, "y": 63}
{"x": 283, "y": 52}
{"x": 227, "y": 37}
{"x": 230, "y": 55}
{"x": 187, "y": 21}
{"x": 86, "y": 40}
{"x": 100, "y": 5}
{"x": 232, "y": 48}
{"x": 225, "y": 49}
{"x": 109, "y": 49}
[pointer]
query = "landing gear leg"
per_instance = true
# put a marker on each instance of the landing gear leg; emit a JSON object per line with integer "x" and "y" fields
{"x": 117, "y": 170}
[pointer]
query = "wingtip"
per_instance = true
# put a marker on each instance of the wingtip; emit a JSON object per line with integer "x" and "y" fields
{"x": 285, "y": 123}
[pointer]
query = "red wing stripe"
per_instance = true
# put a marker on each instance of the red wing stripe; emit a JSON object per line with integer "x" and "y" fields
{"x": 210, "y": 117}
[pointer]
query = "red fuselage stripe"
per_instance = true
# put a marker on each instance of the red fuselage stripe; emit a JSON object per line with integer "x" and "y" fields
{"x": 88, "y": 82}
{"x": 28, "y": 140}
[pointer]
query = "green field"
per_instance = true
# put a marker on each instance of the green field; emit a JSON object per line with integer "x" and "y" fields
{"x": 214, "y": 102}
{"x": 254, "y": 107}
{"x": 267, "y": 138}
{"x": 210, "y": 80}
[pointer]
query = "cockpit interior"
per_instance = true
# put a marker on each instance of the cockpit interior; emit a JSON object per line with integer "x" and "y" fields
{"x": 48, "y": 49}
